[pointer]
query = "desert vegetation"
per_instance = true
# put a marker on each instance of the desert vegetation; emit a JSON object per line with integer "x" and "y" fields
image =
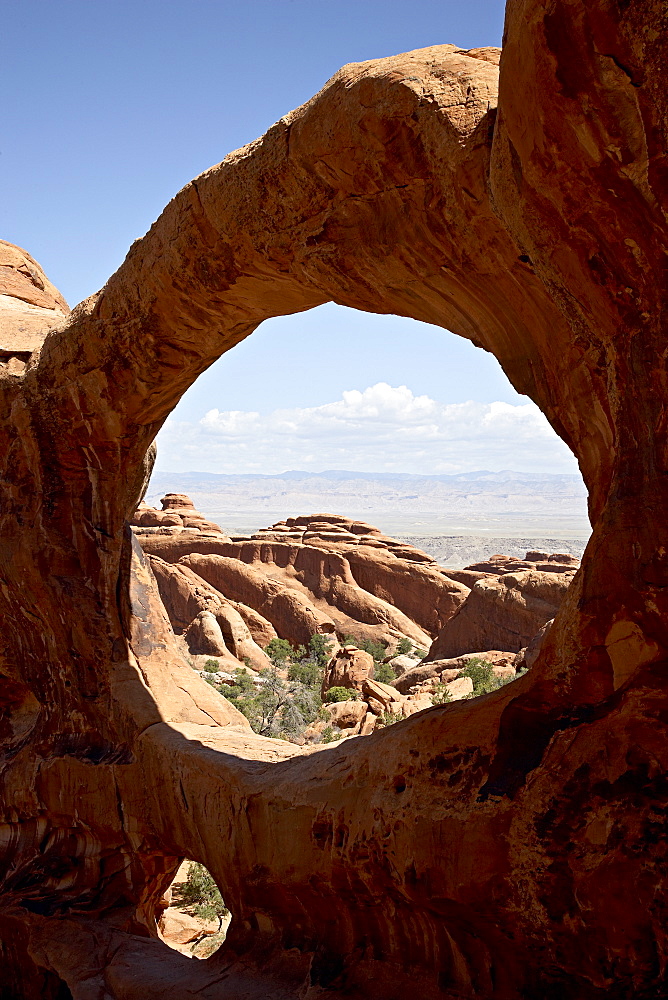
{"x": 287, "y": 701}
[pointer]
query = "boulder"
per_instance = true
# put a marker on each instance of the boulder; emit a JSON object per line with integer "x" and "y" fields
{"x": 346, "y": 714}
{"x": 401, "y": 664}
{"x": 349, "y": 668}
{"x": 179, "y": 928}
{"x": 368, "y": 724}
{"x": 416, "y": 675}
{"x": 314, "y": 730}
{"x": 460, "y": 688}
{"x": 204, "y": 636}
{"x": 504, "y": 673}
{"x": 385, "y": 694}
{"x": 503, "y": 613}
{"x": 449, "y": 668}
{"x": 415, "y": 703}
{"x": 450, "y": 674}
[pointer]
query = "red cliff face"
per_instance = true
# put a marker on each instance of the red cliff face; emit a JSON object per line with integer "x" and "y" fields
{"x": 502, "y": 612}
{"x": 321, "y": 573}
{"x": 512, "y": 846}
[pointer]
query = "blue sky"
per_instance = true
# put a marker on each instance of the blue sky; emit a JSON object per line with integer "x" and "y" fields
{"x": 109, "y": 107}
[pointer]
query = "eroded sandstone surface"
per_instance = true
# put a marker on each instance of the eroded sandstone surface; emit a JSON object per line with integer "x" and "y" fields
{"x": 229, "y": 599}
{"x": 502, "y": 612}
{"x": 507, "y": 847}
{"x": 329, "y": 575}
{"x": 29, "y": 307}
{"x": 322, "y": 573}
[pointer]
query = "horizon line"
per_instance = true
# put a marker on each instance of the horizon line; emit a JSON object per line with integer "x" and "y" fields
{"x": 354, "y": 473}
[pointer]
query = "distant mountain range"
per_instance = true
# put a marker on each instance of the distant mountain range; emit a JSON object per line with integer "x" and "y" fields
{"x": 399, "y": 477}
{"x": 503, "y": 504}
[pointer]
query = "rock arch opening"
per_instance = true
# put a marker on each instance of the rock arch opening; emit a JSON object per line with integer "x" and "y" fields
{"x": 334, "y": 387}
{"x": 246, "y": 607}
{"x": 192, "y": 917}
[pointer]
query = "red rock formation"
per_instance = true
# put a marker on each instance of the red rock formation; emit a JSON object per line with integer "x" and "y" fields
{"x": 373, "y": 704}
{"x": 316, "y": 593}
{"x": 363, "y": 582}
{"x": 502, "y": 612}
{"x": 447, "y": 670}
{"x": 509, "y": 847}
{"x": 186, "y": 596}
{"x": 29, "y": 307}
{"x": 497, "y": 565}
{"x": 348, "y": 668}
{"x": 541, "y": 561}
{"x": 178, "y": 512}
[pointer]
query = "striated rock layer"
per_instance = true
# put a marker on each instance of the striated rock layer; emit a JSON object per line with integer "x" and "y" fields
{"x": 502, "y": 612}
{"x": 317, "y": 574}
{"x": 512, "y": 846}
{"x": 335, "y": 576}
{"x": 29, "y": 307}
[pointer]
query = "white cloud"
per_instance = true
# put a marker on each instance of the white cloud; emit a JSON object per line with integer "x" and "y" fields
{"x": 382, "y": 429}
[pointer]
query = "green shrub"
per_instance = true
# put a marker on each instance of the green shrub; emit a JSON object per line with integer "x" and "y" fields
{"x": 441, "y": 695}
{"x": 384, "y": 673}
{"x": 308, "y": 672}
{"x": 404, "y": 646}
{"x": 377, "y": 649}
{"x": 388, "y": 719}
{"x": 242, "y": 687}
{"x": 211, "y": 666}
{"x": 329, "y": 735}
{"x": 279, "y": 652}
{"x": 341, "y": 694}
{"x": 319, "y": 649}
{"x": 201, "y": 894}
{"x": 482, "y": 675}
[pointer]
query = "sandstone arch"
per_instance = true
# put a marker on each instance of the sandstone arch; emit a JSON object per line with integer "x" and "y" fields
{"x": 477, "y": 849}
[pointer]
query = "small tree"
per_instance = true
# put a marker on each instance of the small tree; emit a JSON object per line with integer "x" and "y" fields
{"x": 440, "y": 695}
{"x": 279, "y": 652}
{"x": 211, "y": 666}
{"x": 319, "y": 649}
{"x": 384, "y": 673}
{"x": 341, "y": 694}
{"x": 404, "y": 646}
{"x": 278, "y": 708}
{"x": 481, "y": 673}
{"x": 307, "y": 672}
{"x": 201, "y": 894}
{"x": 243, "y": 686}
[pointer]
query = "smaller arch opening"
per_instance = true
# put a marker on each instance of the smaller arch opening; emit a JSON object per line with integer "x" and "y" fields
{"x": 193, "y": 917}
